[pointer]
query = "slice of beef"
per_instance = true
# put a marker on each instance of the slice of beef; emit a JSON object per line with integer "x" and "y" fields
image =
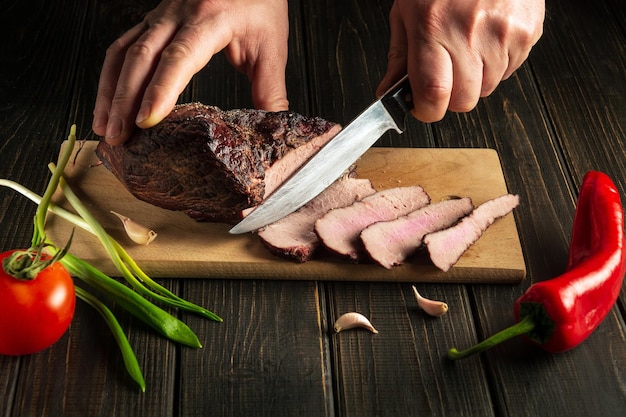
{"x": 447, "y": 246}
{"x": 294, "y": 237}
{"x": 210, "y": 163}
{"x": 390, "y": 243}
{"x": 339, "y": 230}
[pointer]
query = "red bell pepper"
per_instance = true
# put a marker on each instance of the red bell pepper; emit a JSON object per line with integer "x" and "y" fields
{"x": 560, "y": 313}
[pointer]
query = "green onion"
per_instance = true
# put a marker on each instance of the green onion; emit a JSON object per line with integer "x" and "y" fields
{"x": 124, "y": 263}
{"x": 130, "y": 360}
{"x": 152, "y": 315}
{"x": 42, "y": 208}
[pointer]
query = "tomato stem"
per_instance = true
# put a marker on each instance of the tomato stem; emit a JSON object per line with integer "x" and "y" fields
{"x": 27, "y": 264}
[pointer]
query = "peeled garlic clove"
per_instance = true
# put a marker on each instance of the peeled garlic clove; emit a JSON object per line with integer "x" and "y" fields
{"x": 432, "y": 307}
{"x": 136, "y": 232}
{"x": 352, "y": 320}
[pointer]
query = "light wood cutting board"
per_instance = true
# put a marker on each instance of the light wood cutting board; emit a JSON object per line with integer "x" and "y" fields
{"x": 188, "y": 249}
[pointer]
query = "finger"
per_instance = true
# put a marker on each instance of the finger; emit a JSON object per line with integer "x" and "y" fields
{"x": 397, "y": 55}
{"x": 267, "y": 74}
{"x": 268, "y": 85}
{"x": 109, "y": 75}
{"x": 515, "y": 60}
{"x": 495, "y": 62}
{"x": 430, "y": 74}
{"x": 467, "y": 76}
{"x": 189, "y": 51}
{"x": 139, "y": 64}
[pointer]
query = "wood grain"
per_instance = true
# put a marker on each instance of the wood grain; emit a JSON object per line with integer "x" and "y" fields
{"x": 185, "y": 248}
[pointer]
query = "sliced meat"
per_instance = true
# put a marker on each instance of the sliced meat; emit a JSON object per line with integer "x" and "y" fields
{"x": 339, "y": 230}
{"x": 390, "y": 243}
{"x": 447, "y": 246}
{"x": 212, "y": 164}
{"x": 294, "y": 237}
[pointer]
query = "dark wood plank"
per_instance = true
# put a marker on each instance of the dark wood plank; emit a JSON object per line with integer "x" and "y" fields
{"x": 266, "y": 358}
{"x": 83, "y": 374}
{"x": 402, "y": 369}
{"x": 37, "y": 72}
{"x": 583, "y": 82}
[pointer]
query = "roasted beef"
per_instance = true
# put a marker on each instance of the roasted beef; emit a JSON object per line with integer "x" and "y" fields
{"x": 339, "y": 229}
{"x": 212, "y": 164}
{"x": 447, "y": 246}
{"x": 390, "y": 243}
{"x": 294, "y": 237}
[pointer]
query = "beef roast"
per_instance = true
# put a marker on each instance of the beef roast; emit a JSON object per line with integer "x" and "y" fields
{"x": 294, "y": 237}
{"x": 339, "y": 230}
{"x": 212, "y": 164}
{"x": 446, "y": 246}
{"x": 390, "y": 243}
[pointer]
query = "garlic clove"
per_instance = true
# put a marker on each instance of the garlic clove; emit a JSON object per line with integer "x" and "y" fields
{"x": 353, "y": 320}
{"x": 136, "y": 232}
{"x": 432, "y": 307}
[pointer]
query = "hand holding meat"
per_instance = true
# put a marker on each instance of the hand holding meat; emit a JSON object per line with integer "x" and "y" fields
{"x": 147, "y": 68}
{"x": 456, "y": 51}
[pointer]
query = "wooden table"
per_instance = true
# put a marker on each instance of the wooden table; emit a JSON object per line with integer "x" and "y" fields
{"x": 562, "y": 114}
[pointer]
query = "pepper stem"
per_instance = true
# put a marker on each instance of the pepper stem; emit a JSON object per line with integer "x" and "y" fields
{"x": 522, "y": 327}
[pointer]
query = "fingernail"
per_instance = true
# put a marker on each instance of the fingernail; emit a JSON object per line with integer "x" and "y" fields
{"x": 144, "y": 112}
{"x": 114, "y": 127}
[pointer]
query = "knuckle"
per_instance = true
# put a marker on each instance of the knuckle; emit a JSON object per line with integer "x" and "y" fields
{"x": 177, "y": 51}
{"x": 435, "y": 92}
{"x": 462, "y": 102}
{"x": 116, "y": 48}
{"x": 488, "y": 87}
{"x": 434, "y": 20}
{"x": 140, "y": 50}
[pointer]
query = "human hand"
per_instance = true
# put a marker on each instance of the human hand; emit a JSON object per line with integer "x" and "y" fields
{"x": 148, "y": 67}
{"x": 456, "y": 51}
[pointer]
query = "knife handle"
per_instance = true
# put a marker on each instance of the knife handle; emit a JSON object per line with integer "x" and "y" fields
{"x": 398, "y": 101}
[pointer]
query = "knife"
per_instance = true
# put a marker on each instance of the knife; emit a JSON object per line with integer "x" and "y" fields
{"x": 332, "y": 160}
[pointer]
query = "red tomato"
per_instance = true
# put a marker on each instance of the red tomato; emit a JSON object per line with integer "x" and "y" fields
{"x": 34, "y": 313}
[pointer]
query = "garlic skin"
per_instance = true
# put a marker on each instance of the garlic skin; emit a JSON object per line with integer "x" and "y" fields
{"x": 431, "y": 307}
{"x": 136, "y": 232}
{"x": 353, "y": 320}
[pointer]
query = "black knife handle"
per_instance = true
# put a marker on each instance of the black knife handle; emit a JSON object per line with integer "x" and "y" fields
{"x": 398, "y": 101}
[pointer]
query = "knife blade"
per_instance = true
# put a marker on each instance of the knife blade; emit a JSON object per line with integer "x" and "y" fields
{"x": 332, "y": 160}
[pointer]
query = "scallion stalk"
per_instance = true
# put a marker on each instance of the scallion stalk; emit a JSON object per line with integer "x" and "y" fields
{"x": 124, "y": 263}
{"x": 130, "y": 360}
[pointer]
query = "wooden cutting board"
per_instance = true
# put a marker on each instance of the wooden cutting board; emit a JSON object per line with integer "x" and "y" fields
{"x": 188, "y": 249}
